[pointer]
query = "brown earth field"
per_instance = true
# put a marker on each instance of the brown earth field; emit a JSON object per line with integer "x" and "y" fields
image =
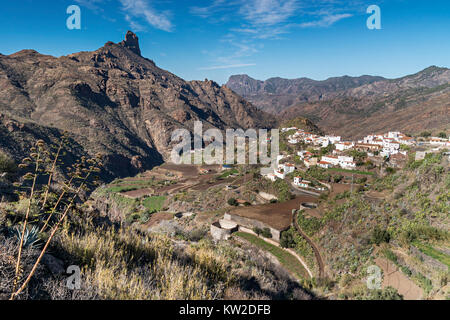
{"x": 396, "y": 279}
{"x": 156, "y": 218}
{"x": 276, "y": 215}
{"x": 187, "y": 177}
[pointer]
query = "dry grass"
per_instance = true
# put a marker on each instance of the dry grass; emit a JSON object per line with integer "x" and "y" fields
{"x": 123, "y": 264}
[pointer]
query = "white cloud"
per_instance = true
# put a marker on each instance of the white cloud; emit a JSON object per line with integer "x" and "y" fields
{"x": 91, "y": 4}
{"x": 326, "y": 20}
{"x": 136, "y": 9}
{"x": 269, "y": 19}
{"x": 134, "y": 25}
{"x": 229, "y": 66}
{"x": 257, "y": 20}
{"x": 268, "y": 12}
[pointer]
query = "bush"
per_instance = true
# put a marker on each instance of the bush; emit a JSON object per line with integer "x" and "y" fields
{"x": 283, "y": 190}
{"x": 266, "y": 233}
{"x": 406, "y": 271}
{"x": 389, "y": 293}
{"x": 424, "y": 282}
{"x": 232, "y": 202}
{"x": 145, "y": 216}
{"x": 379, "y": 236}
{"x": 442, "y": 135}
{"x": 7, "y": 164}
{"x": 390, "y": 255}
{"x": 287, "y": 240}
{"x": 390, "y": 170}
{"x": 424, "y": 233}
{"x": 257, "y": 230}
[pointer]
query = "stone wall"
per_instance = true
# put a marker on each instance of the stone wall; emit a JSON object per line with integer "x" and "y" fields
{"x": 222, "y": 232}
{"x": 251, "y": 223}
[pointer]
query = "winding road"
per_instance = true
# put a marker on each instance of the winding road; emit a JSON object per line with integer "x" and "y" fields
{"x": 313, "y": 246}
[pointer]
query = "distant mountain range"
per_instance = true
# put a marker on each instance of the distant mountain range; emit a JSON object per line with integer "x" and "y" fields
{"x": 112, "y": 101}
{"x": 354, "y": 106}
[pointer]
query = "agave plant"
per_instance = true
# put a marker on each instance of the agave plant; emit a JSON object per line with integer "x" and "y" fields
{"x": 31, "y": 237}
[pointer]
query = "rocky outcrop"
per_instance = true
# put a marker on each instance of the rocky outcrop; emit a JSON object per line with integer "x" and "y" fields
{"x": 131, "y": 42}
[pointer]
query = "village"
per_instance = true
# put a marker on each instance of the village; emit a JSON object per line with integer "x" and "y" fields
{"x": 331, "y": 152}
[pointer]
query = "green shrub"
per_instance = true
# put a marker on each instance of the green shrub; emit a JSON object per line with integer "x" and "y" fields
{"x": 145, "y": 216}
{"x": 266, "y": 233}
{"x": 232, "y": 202}
{"x": 287, "y": 240}
{"x": 379, "y": 236}
{"x": 257, "y": 230}
{"x": 309, "y": 225}
{"x": 7, "y": 164}
{"x": 390, "y": 255}
{"x": 406, "y": 271}
{"x": 424, "y": 282}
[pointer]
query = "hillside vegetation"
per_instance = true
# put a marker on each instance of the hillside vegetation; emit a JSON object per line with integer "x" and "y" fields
{"x": 402, "y": 217}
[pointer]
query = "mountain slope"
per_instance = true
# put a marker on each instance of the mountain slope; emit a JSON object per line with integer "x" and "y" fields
{"x": 276, "y": 94}
{"x": 413, "y": 103}
{"x": 112, "y": 101}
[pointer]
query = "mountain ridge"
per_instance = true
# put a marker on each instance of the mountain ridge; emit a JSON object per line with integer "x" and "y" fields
{"x": 113, "y": 101}
{"x": 412, "y": 103}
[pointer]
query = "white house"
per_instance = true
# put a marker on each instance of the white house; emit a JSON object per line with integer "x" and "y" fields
{"x": 304, "y": 184}
{"x": 280, "y": 157}
{"x": 439, "y": 141}
{"x": 309, "y": 162}
{"x": 333, "y": 139}
{"x": 279, "y": 174}
{"x": 325, "y": 143}
{"x": 298, "y": 181}
{"x": 345, "y": 159}
{"x": 324, "y": 164}
{"x": 304, "y": 154}
{"x": 394, "y": 134}
{"x": 331, "y": 160}
{"x": 288, "y": 168}
{"x": 342, "y": 146}
{"x": 346, "y": 162}
{"x": 342, "y": 161}
{"x": 406, "y": 140}
{"x": 347, "y": 165}
{"x": 271, "y": 177}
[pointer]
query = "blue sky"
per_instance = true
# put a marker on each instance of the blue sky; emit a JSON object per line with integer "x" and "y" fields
{"x": 263, "y": 38}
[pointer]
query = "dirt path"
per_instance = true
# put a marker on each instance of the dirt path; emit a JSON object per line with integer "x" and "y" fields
{"x": 396, "y": 279}
{"x": 243, "y": 229}
{"x": 314, "y": 247}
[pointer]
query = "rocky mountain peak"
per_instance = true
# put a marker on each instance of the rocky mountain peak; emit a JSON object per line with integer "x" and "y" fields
{"x": 131, "y": 42}
{"x": 113, "y": 101}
